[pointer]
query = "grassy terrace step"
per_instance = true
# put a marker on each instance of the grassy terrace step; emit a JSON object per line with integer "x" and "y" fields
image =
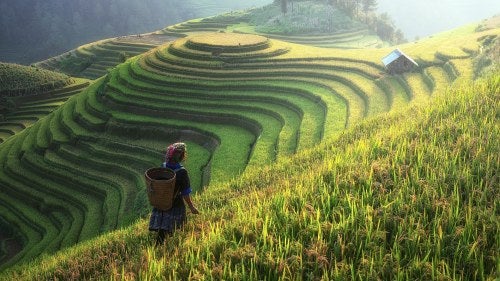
{"x": 55, "y": 101}
{"x": 352, "y": 40}
{"x": 46, "y": 107}
{"x": 226, "y": 57}
{"x": 228, "y": 43}
{"x": 355, "y": 38}
{"x": 20, "y": 212}
{"x": 288, "y": 120}
{"x": 439, "y": 78}
{"x": 31, "y": 112}
{"x": 93, "y": 73}
{"x": 330, "y": 99}
{"x": 365, "y": 42}
{"x": 230, "y": 154}
{"x": 103, "y": 64}
{"x": 82, "y": 127}
{"x": 118, "y": 177}
{"x": 270, "y": 123}
{"x": 397, "y": 94}
{"x": 288, "y": 114}
{"x": 56, "y": 135}
{"x": 19, "y": 183}
{"x": 289, "y": 87}
{"x": 306, "y": 100}
{"x": 362, "y": 86}
{"x": 143, "y": 153}
{"x": 78, "y": 85}
{"x": 320, "y": 38}
{"x": 9, "y": 130}
{"x": 419, "y": 89}
{"x": 103, "y": 212}
{"x": 163, "y": 60}
{"x": 132, "y": 44}
{"x": 4, "y": 136}
{"x": 464, "y": 68}
{"x": 128, "y": 48}
{"x": 58, "y": 198}
{"x": 10, "y": 240}
{"x": 32, "y": 108}
{"x": 22, "y": 217}
{"x": 85, "y": 124}
{"x": 78, "y": 127}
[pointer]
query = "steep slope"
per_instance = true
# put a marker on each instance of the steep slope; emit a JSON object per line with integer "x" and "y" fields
{"x": 239, "y": 101}
{"x": 411, "y": 195}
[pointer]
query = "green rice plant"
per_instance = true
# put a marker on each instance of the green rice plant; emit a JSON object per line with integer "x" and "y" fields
{"x": 464, "y": 68}
{"x": 159, "y": 77}
{"x": 439, "y": 77}
{"x": 252, "y": 110}
{"x": 420, "y": 90}
{"x": 50, "y": 226}
{"x": 231, "y": 155}
{"x": 42, "y": 141}
{"x": 56, "y": 135}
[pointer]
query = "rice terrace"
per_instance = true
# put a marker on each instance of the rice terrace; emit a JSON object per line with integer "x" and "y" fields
{"x": 308, "y": 159}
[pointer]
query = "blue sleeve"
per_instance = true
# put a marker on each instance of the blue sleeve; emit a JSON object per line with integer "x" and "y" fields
{"x": 183, "y": 182}
{"x": 186, "y": 191}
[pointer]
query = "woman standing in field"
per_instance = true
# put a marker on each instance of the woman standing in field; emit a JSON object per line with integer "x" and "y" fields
{"x": 165, "y": 222}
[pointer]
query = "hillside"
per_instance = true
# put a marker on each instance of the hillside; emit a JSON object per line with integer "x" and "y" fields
{"x": 406, "y": 195}
{"x": 28, "y": 94}
{"x": 314, "y": 23}
{"x": 57, "y": 26}
{"x": 95, "y": 59}
{"x": 18, "y": 80}
{"x": 241, "y": 101}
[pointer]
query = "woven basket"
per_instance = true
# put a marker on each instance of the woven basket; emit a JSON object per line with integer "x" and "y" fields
{"x": 160, "y": 184}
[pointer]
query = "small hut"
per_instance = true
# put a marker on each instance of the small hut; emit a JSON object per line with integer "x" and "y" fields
{"x": 398, "y": 62}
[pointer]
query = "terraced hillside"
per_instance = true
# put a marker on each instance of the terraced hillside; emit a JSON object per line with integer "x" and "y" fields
{"x": 95, "y": 59}
{"x": 238, "y": 100}
{"x": 26, "y": 110}
{"x": 313, "y": 26}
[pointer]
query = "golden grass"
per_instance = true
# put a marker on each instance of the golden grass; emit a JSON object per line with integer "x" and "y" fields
{"x": 228, "y": 39}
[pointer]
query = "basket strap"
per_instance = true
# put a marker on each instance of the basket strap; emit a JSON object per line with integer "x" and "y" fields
{"x": 177, "y": 192}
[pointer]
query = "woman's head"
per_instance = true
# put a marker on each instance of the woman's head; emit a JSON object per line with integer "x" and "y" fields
{"x": 176, "y": 152}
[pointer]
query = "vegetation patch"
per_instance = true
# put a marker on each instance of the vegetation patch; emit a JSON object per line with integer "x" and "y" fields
{"x": 19, "y": 80}
{"x": 387, "y": 198}
{"x": 83, "y": 163}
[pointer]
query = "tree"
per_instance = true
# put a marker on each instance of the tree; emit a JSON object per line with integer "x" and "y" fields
{"x": 385, "y": 27}
{"x": 284, "y": 6}
{"x": 368, "y": 6}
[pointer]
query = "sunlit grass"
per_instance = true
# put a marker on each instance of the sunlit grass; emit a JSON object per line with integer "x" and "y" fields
{"x": 368, "y": 202}
{"x": 408, "y": 195}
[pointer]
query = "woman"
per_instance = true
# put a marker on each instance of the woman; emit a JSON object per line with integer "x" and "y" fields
{"x": 165, "y": 222}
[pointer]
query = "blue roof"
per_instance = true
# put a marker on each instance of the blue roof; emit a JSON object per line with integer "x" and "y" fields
{"x": 394, "y": 55}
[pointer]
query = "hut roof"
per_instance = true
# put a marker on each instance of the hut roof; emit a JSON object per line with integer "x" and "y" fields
{"x": 394, "y": 55}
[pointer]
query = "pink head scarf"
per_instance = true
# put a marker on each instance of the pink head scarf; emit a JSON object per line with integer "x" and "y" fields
{"x": 175, "y": 152}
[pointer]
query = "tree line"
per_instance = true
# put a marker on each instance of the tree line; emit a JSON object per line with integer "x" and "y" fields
{"x": 362, "y": 10}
